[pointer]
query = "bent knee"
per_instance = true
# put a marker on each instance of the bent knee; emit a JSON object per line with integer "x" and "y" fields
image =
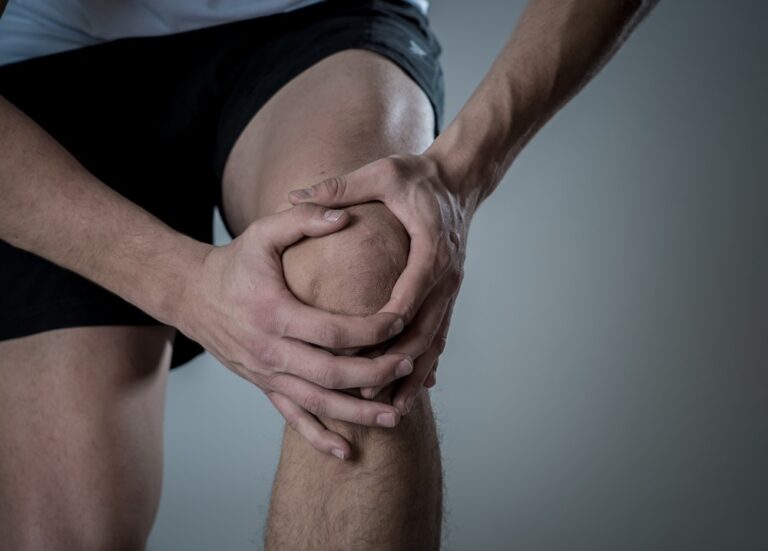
{"x": 353, "y": 270}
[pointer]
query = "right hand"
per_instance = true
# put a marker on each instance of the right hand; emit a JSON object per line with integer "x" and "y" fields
{"x": 238, "y": 307}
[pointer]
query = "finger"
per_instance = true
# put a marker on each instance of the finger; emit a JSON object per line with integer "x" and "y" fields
{"x": 310, "y": 428}
{"x": 370, "y": 392}
{"x": 372, "y": 183}
{"x": 425, "y": 328}
{"x": 334, "y": 404}
{"x": 419, "y": 335}
{"x": 329, "y": 330}
{"x": 432, "y": 377}
{"x": 339, "y": 372}
{"x": 415, "y": 282}
{"x": 287, "y": 227}
{"x": 431, "y": 380}
{"x": 410, "y": 386}
{"x": 348, "y": 189}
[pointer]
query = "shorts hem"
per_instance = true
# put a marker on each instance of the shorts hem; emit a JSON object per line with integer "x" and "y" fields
{"x": 82, "y": 312}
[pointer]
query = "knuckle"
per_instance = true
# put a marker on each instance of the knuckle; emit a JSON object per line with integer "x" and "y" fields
{"x": 454, "y": 238}
{"x": 277, "y": 322}
{"x": 409, "y": 310}
{"x": 265, "y": 313}
{"x": 363, "y": 416}
{"x": 440, "y": 343}
{"x": 424, "y": 341}
{"x": 377, "y": 332}
{"x": 290, "y": 417}
{"x": 266, "y": 354}
{"x": 315, "y": 403}
{"x": 273, "y": 380}
{"x": 456, "y": 277}
{"x": 317, "y": 441}
{"x": 334, "y": 187}
{"x": 333, "y": 336}
{"x": 292, "y": 420}
{"x": 328, "y": 376}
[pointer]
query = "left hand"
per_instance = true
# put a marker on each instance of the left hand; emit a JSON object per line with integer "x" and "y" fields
{"x": 437, "y": 218}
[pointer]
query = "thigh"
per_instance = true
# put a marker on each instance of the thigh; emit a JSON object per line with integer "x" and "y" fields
{"x": 81, "y": 414}
{"x": 349, "y": 109}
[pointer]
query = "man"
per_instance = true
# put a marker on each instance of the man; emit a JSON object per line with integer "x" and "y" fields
{"x": 125, "y": 123}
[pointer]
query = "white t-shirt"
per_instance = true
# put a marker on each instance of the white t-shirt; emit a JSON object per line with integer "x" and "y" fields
{"x": 31, "y": 28}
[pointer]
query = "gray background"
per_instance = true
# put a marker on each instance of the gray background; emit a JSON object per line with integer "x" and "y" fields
{"x": 605, "y": 384}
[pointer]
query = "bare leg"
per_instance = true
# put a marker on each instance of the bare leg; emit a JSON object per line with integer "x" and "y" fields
{"x": 388, "y": 496}
{"x": 349, "y": 109}
{"x": 81, "y": 414}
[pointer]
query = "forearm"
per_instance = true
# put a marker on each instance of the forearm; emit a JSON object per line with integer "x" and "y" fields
{"x": 51, "y": 206}
{"x": 556, "y": 48}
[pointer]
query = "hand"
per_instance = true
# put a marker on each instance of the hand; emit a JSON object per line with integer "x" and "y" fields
{"x": 437, "y": 219}
{"x": 239, "y": 308}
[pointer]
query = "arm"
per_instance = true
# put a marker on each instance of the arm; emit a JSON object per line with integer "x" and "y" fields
{"x": 557, "y": 47}
{"x": 55, "y": 208}
{"x": 232, "y": 299}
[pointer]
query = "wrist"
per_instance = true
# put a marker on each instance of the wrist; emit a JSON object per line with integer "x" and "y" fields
{"x": 165, "y": 277}
{"x": 177, "y": 302}
{"x": 472, "y": 154}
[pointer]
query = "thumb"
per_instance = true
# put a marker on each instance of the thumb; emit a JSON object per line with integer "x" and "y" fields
{"x": 339, "y": 191}
{"x": 289, "y": 226}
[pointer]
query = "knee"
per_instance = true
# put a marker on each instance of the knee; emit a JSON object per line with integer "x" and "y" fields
{"x": 351, "y": 271}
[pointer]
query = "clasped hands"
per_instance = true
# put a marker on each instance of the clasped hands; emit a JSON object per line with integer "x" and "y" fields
{"x": 259, "y": 330}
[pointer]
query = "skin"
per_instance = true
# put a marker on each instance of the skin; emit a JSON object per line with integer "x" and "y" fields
{"x": 318, "y": 502}
{"x": 556, "y": 48}
{"x": 81, "y": 427}
{"x": 204, "y": 291}
{"x": 234, "y": 300}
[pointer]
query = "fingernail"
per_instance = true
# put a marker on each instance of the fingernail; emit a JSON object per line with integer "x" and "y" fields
{"x": 338, "y": 453}
{"x": 303, "y": 193}
{"x": 386, "y": 419}
{"x": 403, "y": 368}
{"x": 332, "y": 215}
{"x": 397, "y": 326}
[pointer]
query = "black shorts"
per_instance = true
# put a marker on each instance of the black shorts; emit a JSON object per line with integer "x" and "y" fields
{"x": 155, "y": 118}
